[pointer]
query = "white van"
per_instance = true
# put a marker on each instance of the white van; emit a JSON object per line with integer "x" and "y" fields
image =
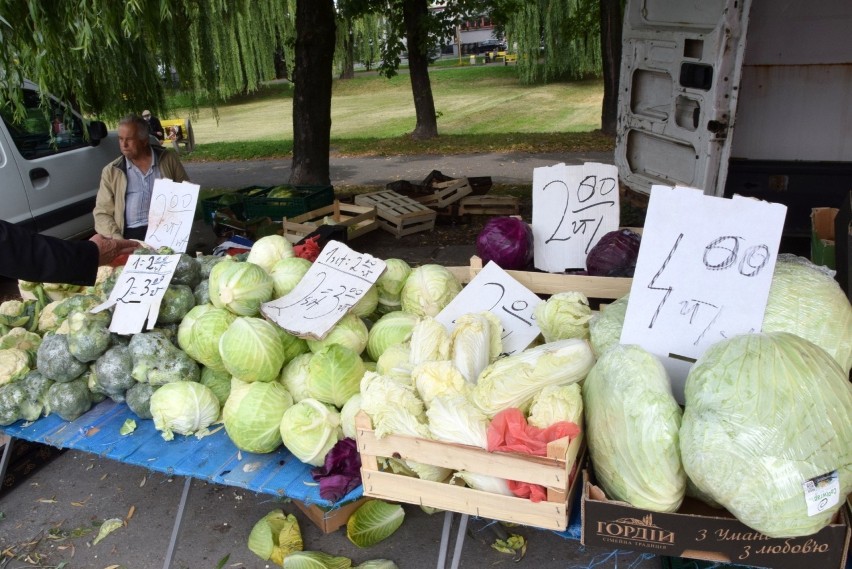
{"x": 749, "y": 97}
{"x": 49, "y": 170}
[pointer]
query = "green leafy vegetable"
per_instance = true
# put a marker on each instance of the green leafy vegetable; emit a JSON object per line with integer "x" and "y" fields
{"x": 374, "y": 522}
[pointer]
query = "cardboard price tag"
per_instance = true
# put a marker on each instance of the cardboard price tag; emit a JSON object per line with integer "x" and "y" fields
{"x": 139, "y": 291}
{"x": 494, "y": 290}
{"x": 335, "y": 282}
{"x": 171, "y": 214}
{"x": 703, "y": 274}
{"x": 573, "y": 207}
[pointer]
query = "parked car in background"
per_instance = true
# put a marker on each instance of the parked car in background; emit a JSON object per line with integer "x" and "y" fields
{"x": 488, "y": 46}
{"x": 49, "y": 168}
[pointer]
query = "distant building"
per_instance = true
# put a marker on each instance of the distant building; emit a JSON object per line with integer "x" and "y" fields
{"x": 477, "y": 34}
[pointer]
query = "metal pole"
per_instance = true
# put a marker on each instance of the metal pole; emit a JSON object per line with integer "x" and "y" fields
{"x": 178, "y": 519}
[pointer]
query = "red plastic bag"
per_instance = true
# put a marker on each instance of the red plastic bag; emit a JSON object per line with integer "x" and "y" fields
{"x": 309, "y": 250}
{"x": 510, "y": 432}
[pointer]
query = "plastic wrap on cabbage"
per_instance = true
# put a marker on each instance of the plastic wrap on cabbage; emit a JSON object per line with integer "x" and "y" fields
{"x": 764, "y": 414}
{"x": 605, "y": 327}
{"x": 514, "y": 380}
{"x": 805, "y": 300}
{"x": 632, "y": 425}
{"x": 564, "y": 315}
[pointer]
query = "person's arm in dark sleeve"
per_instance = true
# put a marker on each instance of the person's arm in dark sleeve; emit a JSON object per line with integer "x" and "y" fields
{"x": 32, "y": 257}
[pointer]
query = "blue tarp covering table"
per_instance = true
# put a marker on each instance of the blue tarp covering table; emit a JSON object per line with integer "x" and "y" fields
{"x": 213, "y": 458}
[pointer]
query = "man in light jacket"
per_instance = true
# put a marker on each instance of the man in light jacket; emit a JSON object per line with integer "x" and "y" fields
{"x": 124, "y": 196}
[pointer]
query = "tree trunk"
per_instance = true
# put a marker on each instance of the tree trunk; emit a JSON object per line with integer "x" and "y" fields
{"x": 415, "y": 13}
{"x": 348, "y": 71}
{"x": 611, "y": 22}
{"x": 315, "y": 29}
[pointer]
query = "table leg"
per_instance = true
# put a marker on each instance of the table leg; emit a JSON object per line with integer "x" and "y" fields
{"x": 7, "y": 456}
{"x": 445, "y": 540}
{"x": 178, "y": 519}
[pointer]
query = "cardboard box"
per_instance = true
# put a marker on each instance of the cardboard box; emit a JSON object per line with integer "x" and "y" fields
{"x": 697, "y": 531}
{"x": 329, "y": 521}
{"x": 822, "y": 236}
{"x": 559, "y": 472}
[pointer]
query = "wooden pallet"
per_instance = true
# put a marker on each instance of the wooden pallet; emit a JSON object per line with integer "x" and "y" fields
{"x": 446, "y": 193}
{"x": 357, "y": 219}
{"x": 489, "y": 205}
{"x": 557, "y": 471}
{"x": 398, "y": 214}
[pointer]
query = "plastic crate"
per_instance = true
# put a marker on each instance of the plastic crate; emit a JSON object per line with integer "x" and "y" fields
{"x": 302, "y": 200}
{"x": 233, "y": 201}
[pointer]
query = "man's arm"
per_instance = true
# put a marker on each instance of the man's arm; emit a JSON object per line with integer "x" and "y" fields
{"x": 39, "y": 258}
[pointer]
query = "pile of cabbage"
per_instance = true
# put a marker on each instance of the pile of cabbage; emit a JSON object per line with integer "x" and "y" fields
{"x": 763, "y": 415}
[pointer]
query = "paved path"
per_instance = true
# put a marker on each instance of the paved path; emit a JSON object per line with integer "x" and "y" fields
{"x": 504, "y": 168}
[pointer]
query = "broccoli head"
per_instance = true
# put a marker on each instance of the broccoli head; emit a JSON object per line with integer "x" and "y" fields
{"x": 55, "y": 361}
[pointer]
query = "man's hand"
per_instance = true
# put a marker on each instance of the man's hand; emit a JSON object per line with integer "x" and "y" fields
{"x": 110, "y": 248}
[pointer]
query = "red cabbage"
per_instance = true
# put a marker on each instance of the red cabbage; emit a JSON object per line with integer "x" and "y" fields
{"x": 341, "y": 472}
{"x": 508, "y": 241}
{"x": 614, "y": 255}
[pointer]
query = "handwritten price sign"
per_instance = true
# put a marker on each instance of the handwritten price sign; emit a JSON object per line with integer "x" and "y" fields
{"x": 703, "y": 274}
{"x": 139, "y": 291}
{"x": 573, "y": 207}
{"x": 171, "y": 214}
{"x": 493, "y": 290}
{"x": 335, "y": 282}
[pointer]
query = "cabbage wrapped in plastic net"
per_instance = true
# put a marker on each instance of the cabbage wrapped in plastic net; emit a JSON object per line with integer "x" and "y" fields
{"x": 633, "y": 423}
{"x": 764, "y": 414}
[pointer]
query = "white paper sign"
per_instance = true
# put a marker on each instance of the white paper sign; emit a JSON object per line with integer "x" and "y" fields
{"x": 703, "y": 274}
{"x": 335, "y": 282}
{"x": 822, "y": 492}
{"x": 573, "y": 207}
{"x": 138, "y": 292}
{"x": 171, "y": 214}
{"x": 494, "y": 290}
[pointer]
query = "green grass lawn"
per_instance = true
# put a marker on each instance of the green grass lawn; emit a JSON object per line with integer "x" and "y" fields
{"x": 480, "y": 108}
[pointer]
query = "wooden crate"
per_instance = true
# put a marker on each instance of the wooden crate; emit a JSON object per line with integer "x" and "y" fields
{"x": 329, "y": 521}
{"x": 446, "y": 193}
{"x": 489, "y": 205}
{"x": 551, "y": 283}
{"x": 398, "y": 214}
{"x": 559, "y": 472}
{"x": 357, "y": 219}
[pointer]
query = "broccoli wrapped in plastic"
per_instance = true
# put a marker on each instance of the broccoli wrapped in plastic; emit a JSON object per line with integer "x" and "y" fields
{"x": 138, "y": 399}
{"x": 55, "y": 361}
{"x": 112, "y": 373}
{"x": 35, "y": 387}
{"x": 88, "y": 335}
{"x": 69, "y": 400}
{"x": 187, "y": 271}
{"x": 157, "y": 361}
{"x": 177, "y": 301}
{"x": 11, "y": 396}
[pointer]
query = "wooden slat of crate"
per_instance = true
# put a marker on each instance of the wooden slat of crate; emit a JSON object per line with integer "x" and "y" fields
{"x": 358, "y": 219}
{"x": 551, "y": 283}
{"x": 398, "y": 214}
{"x": 446, "y": 193}
{"x": 552, "y": 471}
{"x": 330, "y": 520}
{"x": 489, "y": 205}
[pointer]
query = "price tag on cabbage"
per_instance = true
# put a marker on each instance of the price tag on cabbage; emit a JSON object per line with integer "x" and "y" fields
{"x": 139, "y": 291}
{"x": 338, "y": 279}
{"x": 703, "y": 274}
{"x": 494, "y": 290}
{"x": 822, "y": 493}
{"x": 171, "y": 214}
{"x": 573, "y": 207}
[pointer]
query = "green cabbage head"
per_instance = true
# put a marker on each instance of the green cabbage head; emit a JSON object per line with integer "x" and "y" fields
{"x": 252, "y": 415}
{"x": 252, "y": 349}
{"x": 350, "y": 331}
{"x": 764, "y": 414}
{"x": 632, "y": 422}
{"x": 564, "y": 315}
{"x": 200, "y": 331}
{"x": 183, "y": 407}
{"x": 334, "y": 375}
{"x": 240, "y": 287}
{"x": 310, "y": 429}
{"x": 428, "y": 289}
{"x": 392, "y": 328}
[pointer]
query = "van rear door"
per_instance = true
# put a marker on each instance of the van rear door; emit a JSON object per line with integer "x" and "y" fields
{"x": 680, "y": 72}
